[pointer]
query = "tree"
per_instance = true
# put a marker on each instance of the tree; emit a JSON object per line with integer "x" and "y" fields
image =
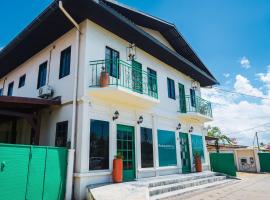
{"x": 216, "y": 132}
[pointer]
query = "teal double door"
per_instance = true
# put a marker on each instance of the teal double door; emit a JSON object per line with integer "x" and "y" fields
{"x": 185, "y": 152}
{"x": 126, "y": 147}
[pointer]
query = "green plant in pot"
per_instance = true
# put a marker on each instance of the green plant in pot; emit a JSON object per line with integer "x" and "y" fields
{"x": 104, "y": 77}
{"x": 118, "y": 168}
{"x": 198, "y": 161}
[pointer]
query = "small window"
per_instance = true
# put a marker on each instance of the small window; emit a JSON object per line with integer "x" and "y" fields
{"x": 42, "y": 74}
{"x": 146, "y": 148}
{"x": 10, "y": 89}
{"x": 22, "y": 81}
{"x": 1, "y": 92}
{"x": 99, "y": 145}
{"x": 112, "y": 62}
{"x": 171, "y": 88}
{"x": 65, "y": 63}
{"x": 61, "y": 134}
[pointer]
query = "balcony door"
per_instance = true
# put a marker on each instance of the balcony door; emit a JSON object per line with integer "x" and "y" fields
{"x": 182, "y": 98}
{"x": 137, "y": 76}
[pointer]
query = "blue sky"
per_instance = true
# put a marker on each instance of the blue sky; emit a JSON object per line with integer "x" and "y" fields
{"x": 223, "y": 34}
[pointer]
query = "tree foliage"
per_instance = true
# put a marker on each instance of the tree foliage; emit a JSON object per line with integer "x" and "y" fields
{"x": 216, "y": 132}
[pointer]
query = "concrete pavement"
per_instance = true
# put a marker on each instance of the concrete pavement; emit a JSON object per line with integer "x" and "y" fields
{"x": 251, "y": 187}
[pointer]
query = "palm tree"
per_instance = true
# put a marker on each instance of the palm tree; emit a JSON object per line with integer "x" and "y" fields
{"x": 216, "y": 132}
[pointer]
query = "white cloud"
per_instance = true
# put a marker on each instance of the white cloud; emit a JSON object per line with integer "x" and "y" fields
{"x": 243, "y": 85}
{"x": 233, "y": 113}
{"x": 244, "y": 62}
{"x": 226, "y": 75}
{"x": 265, "y": 77}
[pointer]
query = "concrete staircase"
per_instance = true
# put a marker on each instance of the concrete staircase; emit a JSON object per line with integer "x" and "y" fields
{"x": 178, "y": 186}
{"x": 157, "y": 188}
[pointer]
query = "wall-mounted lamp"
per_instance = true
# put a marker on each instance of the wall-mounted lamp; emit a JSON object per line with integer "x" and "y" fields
{"x": 140, "y": 120}
{"x": 131, "y": 52}
{"x": 116, "y": 115}
{"x": 195, "y": 85}
{"x": 191, "y": 129}
{"x": 178, "y": 126}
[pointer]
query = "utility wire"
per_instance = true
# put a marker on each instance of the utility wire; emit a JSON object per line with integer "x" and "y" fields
{"x": 239, "y": 93}
{"x": 248, "y": 129}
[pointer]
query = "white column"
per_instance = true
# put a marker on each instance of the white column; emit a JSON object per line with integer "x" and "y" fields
{"x": 155, "y": 144}
{"x": 178, "y": 150}
{"x": 83, "y": 136}
{"x": 206, "y": 158}
{"x": 138, "y": 149}
{"x": 113, "y": 143}
{"x": 190, "y": 152}
{"x": 236, "y": 160}
{"x": 257, "y": 160}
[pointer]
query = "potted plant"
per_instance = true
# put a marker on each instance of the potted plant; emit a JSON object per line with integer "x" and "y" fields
{"x": 118, "y": 168}
{"x": 198, "y": 162}
{"x": 104, "y": 78}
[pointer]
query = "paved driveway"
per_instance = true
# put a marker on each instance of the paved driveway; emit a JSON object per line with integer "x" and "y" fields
{"x": 251, "y": 187}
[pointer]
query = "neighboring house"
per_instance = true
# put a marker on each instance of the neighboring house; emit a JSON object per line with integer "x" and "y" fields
{"x": 150, "y": 110}
{"x": 211, "y": 147}
{"x": 247, "y": 160}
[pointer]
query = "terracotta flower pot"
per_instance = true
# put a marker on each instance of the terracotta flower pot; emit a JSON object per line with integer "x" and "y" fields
{"x": 198, "y": 163}
{"x": 104, "y": 79}
{"x": 117, "y": 170}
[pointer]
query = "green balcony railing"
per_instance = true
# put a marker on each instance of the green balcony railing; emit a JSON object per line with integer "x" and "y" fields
{"x": 123, "y": 74}
{"x": 195, "y": 105}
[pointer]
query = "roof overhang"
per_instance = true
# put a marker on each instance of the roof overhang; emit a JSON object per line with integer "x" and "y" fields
{"x": 51, "y": 24}
{"x": 10, "y": 104}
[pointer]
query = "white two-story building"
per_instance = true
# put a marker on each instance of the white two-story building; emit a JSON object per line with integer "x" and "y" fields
{"x": 114, "y": 80}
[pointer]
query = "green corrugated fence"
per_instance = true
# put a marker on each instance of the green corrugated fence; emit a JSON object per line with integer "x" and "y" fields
{"x": 223, "y": 163}
{"x": 32, "y": 172}
{"x": 264, "y": 161}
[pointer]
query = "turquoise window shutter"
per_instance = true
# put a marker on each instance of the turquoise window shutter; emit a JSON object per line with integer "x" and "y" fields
{"x": 166, "y": 148}
{"x": 197, "y": 145}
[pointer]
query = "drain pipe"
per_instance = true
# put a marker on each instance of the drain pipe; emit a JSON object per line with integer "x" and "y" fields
{"x": 71, "y": 152}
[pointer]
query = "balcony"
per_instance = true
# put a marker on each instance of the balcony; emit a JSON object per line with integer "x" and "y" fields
{"x": 120, "y": 82}
{"x": 195, "y": 109}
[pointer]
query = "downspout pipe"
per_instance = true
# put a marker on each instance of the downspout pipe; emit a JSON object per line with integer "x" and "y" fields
{"x": 71, "y": 153}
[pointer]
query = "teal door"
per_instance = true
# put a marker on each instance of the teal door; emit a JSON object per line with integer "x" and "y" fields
{"x": 182, "y": 98}
{"x": 126, "y": 146}
{"x": 185, "y": 154}
{"x": 137, "y": 76}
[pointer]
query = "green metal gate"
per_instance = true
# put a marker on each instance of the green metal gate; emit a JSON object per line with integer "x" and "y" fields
{"x": 32, "y": 172}
{"x": 264, "y": 161}
{"x": 223, "y": 163}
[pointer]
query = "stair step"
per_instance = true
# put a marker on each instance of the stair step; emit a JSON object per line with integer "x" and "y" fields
{"x": 187, "y": 191}
{"x": 181, "y": 179}
{"x": 182, "y": 185}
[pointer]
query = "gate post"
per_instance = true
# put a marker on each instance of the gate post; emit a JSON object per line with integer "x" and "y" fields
{"x": 69, "y": 177}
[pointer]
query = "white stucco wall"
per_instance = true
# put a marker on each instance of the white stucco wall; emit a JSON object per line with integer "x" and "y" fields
{"x": 163, "y": 115}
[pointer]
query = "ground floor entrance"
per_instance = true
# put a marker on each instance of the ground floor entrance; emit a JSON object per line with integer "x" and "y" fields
{"x": 185, "y": 153}
{"x": 126, "y": 147}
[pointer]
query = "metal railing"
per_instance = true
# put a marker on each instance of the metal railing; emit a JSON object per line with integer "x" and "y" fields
{"x": 196, "y": 105}
{"x": 125, "y": 75}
